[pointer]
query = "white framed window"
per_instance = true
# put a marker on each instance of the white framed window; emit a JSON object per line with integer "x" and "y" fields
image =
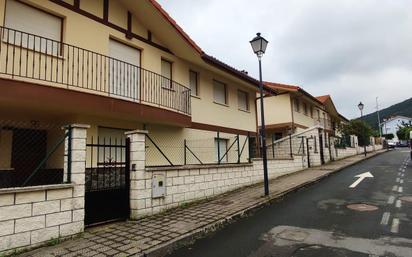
{"x": 305, "y": 108}
{"x": 125, "y": 63}
{"x": 46, "y": 28}
{"x": 166, "y": 74}
{"x": 194, "y": 82}
{"x": 219, "y": 92}
{"x": 296, "y": 105}
{"x": 221, "y": 149}
{"x": 243, "y": 100}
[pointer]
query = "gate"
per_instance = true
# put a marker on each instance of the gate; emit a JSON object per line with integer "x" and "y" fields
{"x": 322, "y": 157}
{"x": 107, "y": 181}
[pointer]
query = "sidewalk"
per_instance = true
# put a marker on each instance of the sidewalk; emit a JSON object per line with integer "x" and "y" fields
{"x": 155, "y": 234}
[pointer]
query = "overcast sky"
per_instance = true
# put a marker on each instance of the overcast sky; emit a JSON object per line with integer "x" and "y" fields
{"x": 354, "y": 50}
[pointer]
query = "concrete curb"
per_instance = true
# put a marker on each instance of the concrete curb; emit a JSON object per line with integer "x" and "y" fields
{"x": 165, "y": 248}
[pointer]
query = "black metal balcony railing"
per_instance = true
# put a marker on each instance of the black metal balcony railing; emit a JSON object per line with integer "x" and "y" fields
{"x": 42, "y": 59}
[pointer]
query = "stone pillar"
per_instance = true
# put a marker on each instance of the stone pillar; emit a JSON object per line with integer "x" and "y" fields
{"x": 138, "y": 191}
{"x": 77, "y": 177}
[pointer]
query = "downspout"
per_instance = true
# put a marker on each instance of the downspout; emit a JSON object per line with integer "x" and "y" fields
{"x": 291, "y": 110}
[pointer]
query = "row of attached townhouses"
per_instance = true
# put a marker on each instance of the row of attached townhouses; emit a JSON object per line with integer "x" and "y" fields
{"x": 108, "y": 110}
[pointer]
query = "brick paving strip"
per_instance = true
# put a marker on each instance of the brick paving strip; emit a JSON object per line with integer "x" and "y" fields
{"x": 155, "y": 235}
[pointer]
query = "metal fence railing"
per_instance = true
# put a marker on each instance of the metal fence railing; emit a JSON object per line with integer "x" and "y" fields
{"x": 286, "y": 148}
{"x": 33, "y": 57}
{"x": 32, "y": 153}
{"x": 221, "y": 149}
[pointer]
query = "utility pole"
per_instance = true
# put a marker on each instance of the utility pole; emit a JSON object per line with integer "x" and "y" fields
{"x": 379, "y": 119}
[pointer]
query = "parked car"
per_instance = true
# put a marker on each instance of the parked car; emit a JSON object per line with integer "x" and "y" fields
{"x": 391, "y": 144}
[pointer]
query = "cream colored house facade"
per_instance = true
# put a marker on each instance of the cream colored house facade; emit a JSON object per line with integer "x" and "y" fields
{"x": 293, "y": 110}
{"x": 119, "y": 66}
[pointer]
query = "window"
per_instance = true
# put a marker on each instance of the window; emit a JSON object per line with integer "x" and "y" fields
{"x": 166, "y": 74}
{"x": 305, "y": 108}
{"x": 296, "y": 105}
{"x": 24, "y": 18}
{"x": 219, "y": 92}
{"x": 221, "y": 149}
{"x": 318, "y": 112}
{"x": 122, "y": 53}
{"x": 311, "y": 111}
{"x": 193, "y": 81}
{"x": 243, "y": 100}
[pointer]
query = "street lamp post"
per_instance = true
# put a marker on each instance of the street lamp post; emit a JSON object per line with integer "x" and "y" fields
{"x": 259, "y": 45}
{"x": 360, "y": 106}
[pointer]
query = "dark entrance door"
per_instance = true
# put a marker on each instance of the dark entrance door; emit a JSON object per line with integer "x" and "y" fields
{"x": 107, "y": 181}
{"x": 322, "y": 157}
{"x": 29, "y": 148}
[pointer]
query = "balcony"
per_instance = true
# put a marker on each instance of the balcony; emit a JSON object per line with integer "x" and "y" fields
{"x": 34, "y": 59}
{"x": 325, "y": 123}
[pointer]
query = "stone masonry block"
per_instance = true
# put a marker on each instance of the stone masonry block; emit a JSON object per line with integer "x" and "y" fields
{"x": 183, "y": 173}
{"x": 78, "y": 155}
{"x": 6, "y": 199}
{"x": 59, "y": 194}
{"x": 14, "y": 241}
{"x": 71, "y": 229}
{"x": 44, "y": 234}
{"x": 46, "y": 207}
{"x": 189, "y": 180}
{"x": 78, "y": 215}
{"x": 6, "y": 227}
{"x": 15, "y": 211}
{"x": 58, "y": 218}
{"x": 79, "y": 178}
{"x": 66, "y": 204}
{"x": 79, "y": 144}
{"x": 28, "y": 224}
{"x": 138, "y": 156}
{"x": 78, "y": 191}
{"x": 30, "y": 197}
{"x": 178, "y": 181}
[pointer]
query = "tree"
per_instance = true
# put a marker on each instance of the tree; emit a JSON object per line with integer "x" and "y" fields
{"x": 358, "y": 128}
{"x": 404, "y": 131}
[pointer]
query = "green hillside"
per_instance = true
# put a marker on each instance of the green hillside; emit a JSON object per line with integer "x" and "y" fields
{"x": 403, "y": 108}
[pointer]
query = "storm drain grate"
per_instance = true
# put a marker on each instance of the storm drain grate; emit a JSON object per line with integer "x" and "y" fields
{"x": 362, "y": 207}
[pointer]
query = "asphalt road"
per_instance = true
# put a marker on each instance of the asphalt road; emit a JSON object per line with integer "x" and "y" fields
{"x": 316, "y": 221}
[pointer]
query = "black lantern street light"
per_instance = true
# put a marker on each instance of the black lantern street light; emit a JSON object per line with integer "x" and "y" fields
{"x": 259, "y": 45}
{"x": 360, "y": 106}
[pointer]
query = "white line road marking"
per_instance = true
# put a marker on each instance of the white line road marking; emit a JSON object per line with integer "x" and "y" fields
{"x": 400, "y": 189}
{"x": 401, "y": 181}
{"x": 395, "y": 225}
{"x": 397, "y": 180}
{"x": 385, "y": 218}
{"x": 391, "y": 199}
{"x": 402, "y": 175}
{"x": 398, "y": 204}
{"x": 395, "y": 188}
{"x": 399, "y": 173}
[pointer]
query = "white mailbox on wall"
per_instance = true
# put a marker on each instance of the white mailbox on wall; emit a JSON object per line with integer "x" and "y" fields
{"x": 158, "y": 186}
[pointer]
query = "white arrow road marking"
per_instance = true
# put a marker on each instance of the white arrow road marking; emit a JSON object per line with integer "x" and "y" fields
{"x": 361, "y": 177}
{"x": 385, "y": 218}
{"x": 395, "y": 225}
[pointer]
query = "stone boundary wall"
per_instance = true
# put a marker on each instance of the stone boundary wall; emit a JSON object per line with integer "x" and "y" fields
{"x": 33, "y": 216}
{"x": 189, "y": 183}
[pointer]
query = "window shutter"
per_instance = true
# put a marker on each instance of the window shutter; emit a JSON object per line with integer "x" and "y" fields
{"x": 219, "y": 91}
